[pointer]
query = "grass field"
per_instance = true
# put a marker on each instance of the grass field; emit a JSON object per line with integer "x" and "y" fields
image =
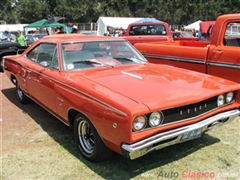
{"x": 36, "y": 146}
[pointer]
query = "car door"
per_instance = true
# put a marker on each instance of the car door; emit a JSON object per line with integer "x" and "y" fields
{"x": 224, "y": 59}
{"x": 41, "y": 74}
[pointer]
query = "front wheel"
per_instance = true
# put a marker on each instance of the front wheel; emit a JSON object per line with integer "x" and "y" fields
{"x": 22, "y": 98}
{"x": 88, "y": 140}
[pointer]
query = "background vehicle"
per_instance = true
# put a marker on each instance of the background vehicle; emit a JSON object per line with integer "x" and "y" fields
{"x": 88, "y": 33}
{"x": 219, "y": 57}
{"x": 9, "y": 48}
{"x": 140, "y": 32}
{"x": 31, "y": 38}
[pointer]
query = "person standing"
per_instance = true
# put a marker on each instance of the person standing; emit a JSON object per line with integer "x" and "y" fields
{"x": 20, "y": 39}
{"x": 6, "y": 35}
{"x": 61, "y": 30}
{"x": 74, "y": 29}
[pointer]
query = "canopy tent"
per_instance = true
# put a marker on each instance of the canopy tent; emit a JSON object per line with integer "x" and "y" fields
{"x": 192, "y": 26}
{"x": 148, "y": 20}
{"x": 36, "y": 24}
{"x": 119, "y": 22}
{"x": 33, "y": 25}
{"x": 40, "y": 24}
{"x": 53, "y": 25}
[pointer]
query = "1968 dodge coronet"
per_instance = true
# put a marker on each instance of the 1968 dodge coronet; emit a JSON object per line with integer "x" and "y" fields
{"x": 115, "y": 100}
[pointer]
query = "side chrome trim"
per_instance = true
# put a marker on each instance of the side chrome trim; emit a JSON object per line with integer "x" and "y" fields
{"x": 224, "y": 65}
{"x": 173, "y": 58}
{"x": 195, "y": 61}
{"x": 171, "y": 137}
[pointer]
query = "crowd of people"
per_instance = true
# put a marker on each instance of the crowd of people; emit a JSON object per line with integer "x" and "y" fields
{"x": 8, "y": 36}
{"x": 21, "y": 40}
{"x": 114, "y": 32}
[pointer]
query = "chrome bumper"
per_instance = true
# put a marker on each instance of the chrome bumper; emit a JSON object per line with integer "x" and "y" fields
{"x": 174, "y": 136}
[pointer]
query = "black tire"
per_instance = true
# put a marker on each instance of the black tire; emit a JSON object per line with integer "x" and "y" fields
{"x": 22, "y": 98}
{"x": 88, "y": 140}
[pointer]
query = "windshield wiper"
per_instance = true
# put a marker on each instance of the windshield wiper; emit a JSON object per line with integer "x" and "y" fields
{"x": 91, "y": 61}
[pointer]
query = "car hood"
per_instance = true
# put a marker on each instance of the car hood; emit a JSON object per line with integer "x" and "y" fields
{"x": 158, "y": 85}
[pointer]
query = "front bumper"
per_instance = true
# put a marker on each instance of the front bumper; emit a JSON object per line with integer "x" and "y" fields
{"x": 164, "y": 139}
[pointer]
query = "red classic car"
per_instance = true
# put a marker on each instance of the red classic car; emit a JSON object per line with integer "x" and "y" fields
{"x": 114, "y": 99}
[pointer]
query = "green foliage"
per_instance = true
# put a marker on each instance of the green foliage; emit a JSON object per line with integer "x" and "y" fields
{"x": 171, "y": 11}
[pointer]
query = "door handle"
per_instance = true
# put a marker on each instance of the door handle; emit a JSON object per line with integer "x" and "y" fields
{"x": 217, "y": 51}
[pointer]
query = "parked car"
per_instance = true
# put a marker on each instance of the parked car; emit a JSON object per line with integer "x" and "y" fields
{"x": 9, "y": 48}
{"x": 114, "y": 99}
{"x": 88, "y": 33}
{"x": 31, "y": 38}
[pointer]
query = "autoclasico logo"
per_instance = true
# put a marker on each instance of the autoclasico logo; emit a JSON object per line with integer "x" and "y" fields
{"x": 187, "y": 174}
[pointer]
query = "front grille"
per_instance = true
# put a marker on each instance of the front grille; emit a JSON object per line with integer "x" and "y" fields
{"x": 189, "y": 111}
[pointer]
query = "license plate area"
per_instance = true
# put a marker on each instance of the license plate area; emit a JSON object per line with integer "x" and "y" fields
{"x": 191, "y": 135}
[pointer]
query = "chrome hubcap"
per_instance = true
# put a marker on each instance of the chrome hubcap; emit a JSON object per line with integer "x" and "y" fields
{"x": 20, "y": 93}
{"x": 85, "y": 135}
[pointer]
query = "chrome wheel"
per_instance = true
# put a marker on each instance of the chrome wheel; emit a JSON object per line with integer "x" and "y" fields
{"x": 89, "y": 142}
{"x": 19, "y": 92}
{"x": 86, "y": 138}
{"x": 21, "y": 96}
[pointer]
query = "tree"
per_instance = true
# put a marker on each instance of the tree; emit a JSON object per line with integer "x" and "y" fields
{"x": 172, "y": 11}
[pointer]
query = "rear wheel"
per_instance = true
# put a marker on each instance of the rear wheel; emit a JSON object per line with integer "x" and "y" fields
{"x": 22, "y": 98}
{"x": 88, "y": 140}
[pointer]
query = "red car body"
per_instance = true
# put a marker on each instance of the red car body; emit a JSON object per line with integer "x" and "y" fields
{"x": 115, "y": 100}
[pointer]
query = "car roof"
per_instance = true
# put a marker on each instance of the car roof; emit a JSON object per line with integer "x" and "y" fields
{"x": 76, "y": 37}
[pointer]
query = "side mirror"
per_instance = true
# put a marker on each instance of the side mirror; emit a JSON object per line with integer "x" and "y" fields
{"x": 44, "y": 64}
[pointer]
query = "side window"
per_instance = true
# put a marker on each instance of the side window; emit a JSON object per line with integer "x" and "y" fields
{"x": 232, "y": 35}
{"x": 45, "y": 52}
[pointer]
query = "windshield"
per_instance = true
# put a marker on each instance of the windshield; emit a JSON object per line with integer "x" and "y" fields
{"x": 95, "y": 54}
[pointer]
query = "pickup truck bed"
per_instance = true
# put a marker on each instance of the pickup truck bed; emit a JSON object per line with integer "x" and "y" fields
{"x": 166, "y": 53}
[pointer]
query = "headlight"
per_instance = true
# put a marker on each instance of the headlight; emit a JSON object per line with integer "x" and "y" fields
{"x": 220, "y": 100}
{"x": 155, "y": 119}
{"x": 139, "y": 123}
{"x": 229, "y": 97}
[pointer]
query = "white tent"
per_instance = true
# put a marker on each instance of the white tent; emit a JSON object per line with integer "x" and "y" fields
{"x": 12, "y": 27}
{"x": 117, "y": 22}
{"x": 192, "y": 26}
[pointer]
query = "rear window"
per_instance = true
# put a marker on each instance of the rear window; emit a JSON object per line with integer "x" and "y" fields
{"x": 150, "y": 29}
